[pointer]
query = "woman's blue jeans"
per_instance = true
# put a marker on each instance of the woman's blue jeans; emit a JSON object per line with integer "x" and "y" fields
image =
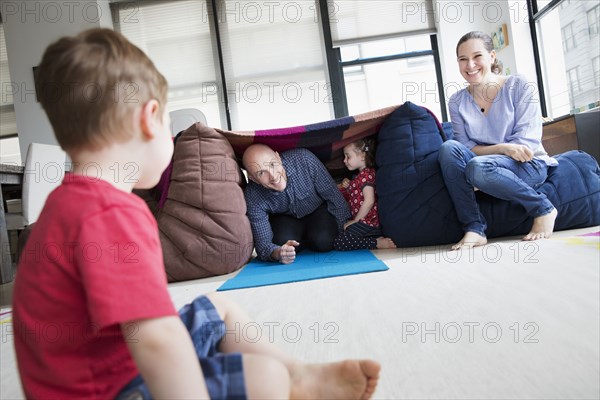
{"x": 497, "y": 175}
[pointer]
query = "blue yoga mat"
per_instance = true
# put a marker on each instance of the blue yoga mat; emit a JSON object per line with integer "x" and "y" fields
{"x": 308, "y": 265}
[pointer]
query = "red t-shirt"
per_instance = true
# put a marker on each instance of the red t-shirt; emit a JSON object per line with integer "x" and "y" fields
{"x": 355, "y": 197}
{"x": 93, "y": 260}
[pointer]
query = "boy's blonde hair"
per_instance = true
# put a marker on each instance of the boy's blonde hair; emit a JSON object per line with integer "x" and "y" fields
{"x": 90, "y": 84}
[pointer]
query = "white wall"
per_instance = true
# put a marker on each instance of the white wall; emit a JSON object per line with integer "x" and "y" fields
{"x": 29, "y": 27}
{"x": 455, "y": 18}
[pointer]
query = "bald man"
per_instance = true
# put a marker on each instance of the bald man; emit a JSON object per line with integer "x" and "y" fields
{"x": 293, "y": 203}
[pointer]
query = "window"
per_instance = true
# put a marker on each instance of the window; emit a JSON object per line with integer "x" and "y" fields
{"x": 596, "y": 67}
{"x": 567, "y": 78}
{"x": 176, "y": 36}
{"x": 352, "y": 53}
{"x": 274, "y": 64}
{"x": 387, "y": 75}
{"x": 9, "y": 142}
{"x": 267, "y": 78}
{"x": 260, "y": 65}
{"x": 386, "y": 54}
{"x": 568, "y": 39}
{"x": 357, "y": 21}
{"x": 593, "y": 18}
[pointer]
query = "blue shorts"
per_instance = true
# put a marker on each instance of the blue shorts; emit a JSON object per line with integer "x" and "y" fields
{"x": 222, "y": 372}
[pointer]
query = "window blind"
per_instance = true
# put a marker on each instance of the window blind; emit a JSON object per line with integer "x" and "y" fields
{"x": 176, "y": 35}
{"x": 274, "y": 62}
{"x": 355, "y": 21}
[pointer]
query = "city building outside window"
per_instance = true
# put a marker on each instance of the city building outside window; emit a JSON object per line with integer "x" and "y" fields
{"x": 569, "y": 75}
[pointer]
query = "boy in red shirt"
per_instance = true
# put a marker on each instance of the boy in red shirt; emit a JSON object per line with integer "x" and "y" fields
{"x": 92, "y": 314}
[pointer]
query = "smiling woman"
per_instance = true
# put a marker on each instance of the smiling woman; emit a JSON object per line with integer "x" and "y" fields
{"x": 497, "y": 148}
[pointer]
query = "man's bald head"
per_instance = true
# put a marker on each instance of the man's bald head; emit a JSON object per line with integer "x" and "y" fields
{"x": 255, "y": 153}
{"x": 264, "y": 167}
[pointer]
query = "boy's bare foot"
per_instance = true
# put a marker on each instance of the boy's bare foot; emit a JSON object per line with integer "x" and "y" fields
{"x": 543, "y": 226}
{"x": 350, "y": 379}
{"x": 471, "y": 239}
{"x": 385, "y": 243}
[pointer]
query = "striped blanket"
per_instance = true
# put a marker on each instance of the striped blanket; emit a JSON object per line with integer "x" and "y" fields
{"x": 325, "y": 139}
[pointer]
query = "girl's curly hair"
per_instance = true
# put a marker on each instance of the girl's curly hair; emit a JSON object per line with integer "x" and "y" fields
{"x": 367, "y": 145}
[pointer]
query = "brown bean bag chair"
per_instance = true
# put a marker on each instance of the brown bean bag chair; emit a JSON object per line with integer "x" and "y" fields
{"x": 203, "y": 226}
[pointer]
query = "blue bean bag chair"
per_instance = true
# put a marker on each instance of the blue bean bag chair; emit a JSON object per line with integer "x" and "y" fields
{"x": 415, "y": 208}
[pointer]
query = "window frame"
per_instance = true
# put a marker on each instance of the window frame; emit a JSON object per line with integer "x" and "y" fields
{"x": 594, "y": 27}
{"x": 8, "y": 108}
{"x": 574, "y": 86}
{"x": 337, "y": 65}
{"x": 535, "y": 14}
{"x": 596, "y": 70}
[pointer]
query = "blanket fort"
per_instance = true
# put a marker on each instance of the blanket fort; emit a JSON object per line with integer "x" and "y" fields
{"x": 325, "y": 139}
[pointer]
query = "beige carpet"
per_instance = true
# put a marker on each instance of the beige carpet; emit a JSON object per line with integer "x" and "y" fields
{"x": 510, "y": 320}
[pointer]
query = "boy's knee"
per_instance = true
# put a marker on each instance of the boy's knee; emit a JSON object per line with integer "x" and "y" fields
{"x": 220, "y": 302}
{"x": 216, "y": 297}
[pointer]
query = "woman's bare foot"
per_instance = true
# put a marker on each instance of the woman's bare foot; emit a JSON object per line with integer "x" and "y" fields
{"x": 385, "y": 243}
{"x": 471, "y": 239}
{"x": 543, "y": 226}
{"x": 350, "y": 379}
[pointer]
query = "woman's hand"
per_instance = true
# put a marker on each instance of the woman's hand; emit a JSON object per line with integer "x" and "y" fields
{"x": 518, "y": 152}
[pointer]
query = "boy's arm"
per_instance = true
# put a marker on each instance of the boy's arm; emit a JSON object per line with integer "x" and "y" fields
{"x": 165, "y": 356}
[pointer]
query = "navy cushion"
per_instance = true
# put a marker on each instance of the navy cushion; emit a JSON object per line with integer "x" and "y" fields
{"x": 415, "y": 208}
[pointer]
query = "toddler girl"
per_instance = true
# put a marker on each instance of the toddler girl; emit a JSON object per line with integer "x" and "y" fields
{"x": 362, "y": 231}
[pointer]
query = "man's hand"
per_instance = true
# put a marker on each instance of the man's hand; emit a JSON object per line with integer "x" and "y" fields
{"x": 518, "y": 152}
{"x": 287, "y": 252}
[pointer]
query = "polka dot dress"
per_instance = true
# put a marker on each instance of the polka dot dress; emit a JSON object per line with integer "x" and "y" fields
{"x": 363, "y": 234}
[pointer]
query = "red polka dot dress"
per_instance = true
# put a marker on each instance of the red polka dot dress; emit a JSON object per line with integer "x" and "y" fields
{"x": 355, "y": 196}
{"x": 364, "y": 233}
